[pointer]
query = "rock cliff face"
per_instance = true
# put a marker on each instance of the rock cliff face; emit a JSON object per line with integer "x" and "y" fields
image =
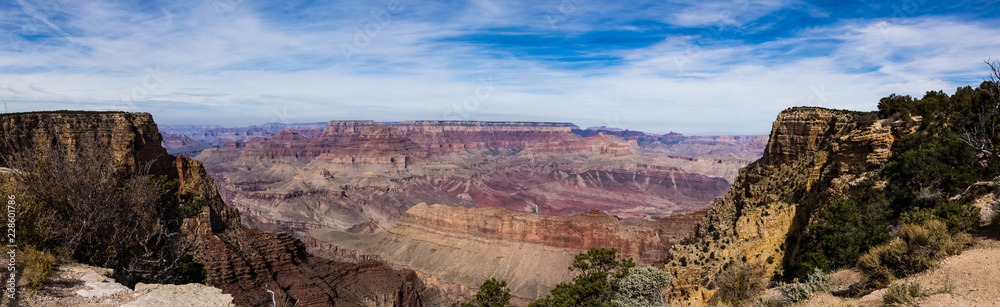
{"x": 813, "y": 157}
{"x": 460, "y": 247}
{"x": 241, "y": 262}
{"x": 353, "y": 171}
{"x": 133, "y": 137}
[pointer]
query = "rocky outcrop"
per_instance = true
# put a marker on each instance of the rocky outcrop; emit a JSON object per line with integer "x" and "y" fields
{"x": 132, "y": 137}
{"x": 368, "y": 226}
{"x": 461, "y": 247}
{"x": 813, "y": 157}
{"x": 277, "y": 262}
{"x": 244, "y": 263}
{"x": 74, "y": 284}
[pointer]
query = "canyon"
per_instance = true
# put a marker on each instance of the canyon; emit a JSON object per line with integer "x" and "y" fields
{"x": 420, "y": 213}
{"x": 519, "y": 198}
{"x": 355, "y": 171}
{"x": 513, "y": 200}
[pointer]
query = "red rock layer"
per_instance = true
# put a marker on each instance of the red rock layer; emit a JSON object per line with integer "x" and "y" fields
{"x": 649, "y": 242}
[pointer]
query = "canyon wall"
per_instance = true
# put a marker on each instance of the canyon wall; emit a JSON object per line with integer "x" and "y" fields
{"x": 239, "y": 261}
{"x": 813, "y": 157}
{"x": 458, "y": 248}
{"x": 133, "y": 137}
{"x": 354, "y": 171}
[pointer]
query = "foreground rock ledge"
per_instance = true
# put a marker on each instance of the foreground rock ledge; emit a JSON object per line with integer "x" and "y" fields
{"x": 77, "y": 284}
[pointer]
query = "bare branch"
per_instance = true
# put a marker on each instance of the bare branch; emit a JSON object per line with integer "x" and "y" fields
{"x": 981, "y": 133}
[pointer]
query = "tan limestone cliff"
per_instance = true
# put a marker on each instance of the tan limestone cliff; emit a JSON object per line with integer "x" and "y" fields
{"x": 813, "y": 157}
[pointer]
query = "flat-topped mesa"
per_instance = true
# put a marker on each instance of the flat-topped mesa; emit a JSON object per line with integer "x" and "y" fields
{"x": 434, "y": 126}
{"x": 448, "y": 136}
{"x": 600, "y": 143}
{"x": 379, "y": 144}
{"x": 340, "y": 127}
{"x": 451, "y": 136}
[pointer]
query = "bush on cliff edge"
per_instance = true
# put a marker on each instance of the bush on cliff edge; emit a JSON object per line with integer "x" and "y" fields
{"x": 79, "y": 202}
{"x": 595, "y": 285}
{"x": 915, "y": 249}
{"x": 739, "y": 284}
{"x": 492, "y": 293}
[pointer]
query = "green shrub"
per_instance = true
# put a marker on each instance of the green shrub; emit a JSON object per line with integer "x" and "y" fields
{"x": 795, "y": 291}
{"x": 915, "y": 249}
{"x": 189, "y": 271}
{"x": 763, "y": 301}
{"x": 798, "y": 291}
{"x": 820, "y": 280}
{"x": 492, "y": 293}
{"x": 33, "y": 221}
{"x": 191, "y": 204}
{"x": 957, "y": 216}
{"x": 739, "y": 284}
{"x": 902, "y": 294}
{"x": 845, "y": 230}
{"x": 889, "y": 106}
{"x": 642, "y": 287}
{"x": 36, "y": 267}
{"x": 600, "y": 270}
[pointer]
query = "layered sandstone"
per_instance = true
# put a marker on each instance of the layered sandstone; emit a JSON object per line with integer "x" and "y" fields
{"x": 243, "y": 263}
{"x": 463, "y": 247}
{"x": 133, "y": 137}
{"x": 813, "y": 157}
{"x": 358, "y": 170}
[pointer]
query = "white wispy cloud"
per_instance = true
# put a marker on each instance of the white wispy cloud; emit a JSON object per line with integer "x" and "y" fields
{"x": 190, "y": 62}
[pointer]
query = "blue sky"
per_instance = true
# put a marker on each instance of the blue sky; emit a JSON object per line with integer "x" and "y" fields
{"x": 698, "y": 66}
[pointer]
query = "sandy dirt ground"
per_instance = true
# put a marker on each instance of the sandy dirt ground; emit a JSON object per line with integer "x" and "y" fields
{"x": 974, "y": 276}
